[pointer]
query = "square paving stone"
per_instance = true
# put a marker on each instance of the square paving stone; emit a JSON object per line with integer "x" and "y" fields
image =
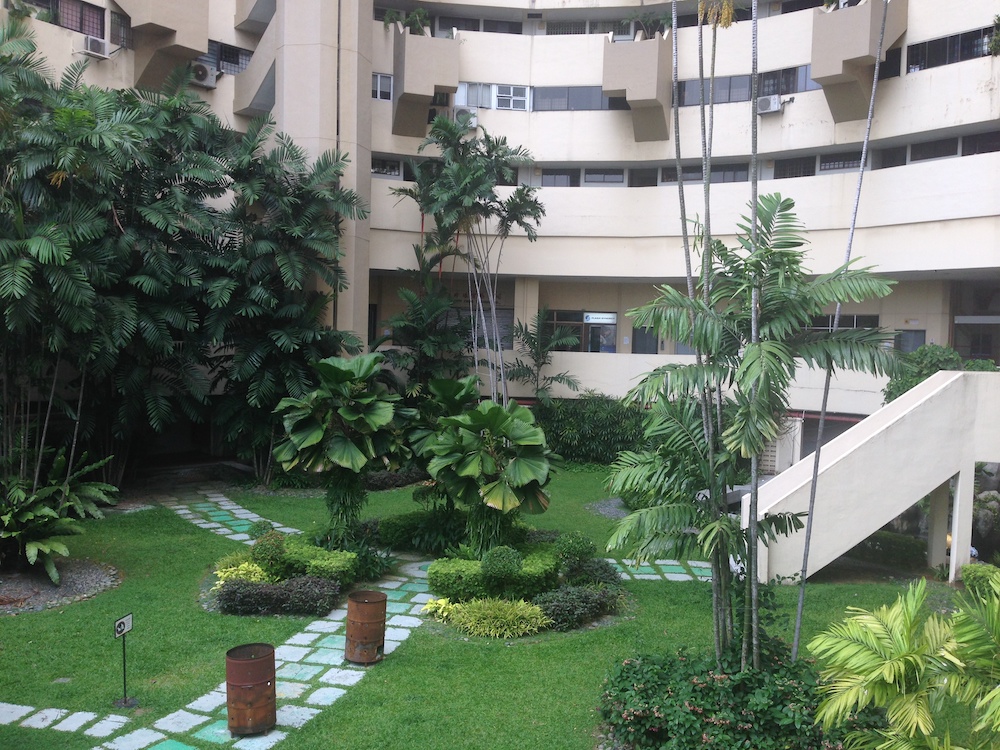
{"x": 416, "y": 609}
{"x": 645, "y": 569}
{"x": 217, "y": 732}
{"x": 421, "y": 598}
{"x": 205, "y": 506}
{"x": 295, "y": 716}
{"x": 342, "y": 677}
{"x": 289, "y": 690}
{"x": 673, "y": 569}
{"x": 396, "y": 596}
{"x": 397, "y": 608}
{"x": 667, "y": 562}
{"x": 44, "y": 717}
{"x": 390, "y": 584}
{"x": 208, "y": 702}
{"x": 240, "y": 525}
{"x": 10, "y": 712}
{"x": 325, "y": 696}
{"x": 337, "y": 614}
{"x": 136, "y": 740}
{"x": 298, "y": 671}
{"x": 418, "y": 587}
{"x": 221, "y": 517}
{"x": 75, "y": 721}
{"x": 241, "y": 538}
{"x": 389, "y": 647}
{"x": 107, "y": 726}
{"x": 180, "y": 721}
{"x": 654, "y": 577}
{"x": 172, "y": 745}
{"x": 326, "y": 656}
{"x": 397, "y": 634}
{"x": 677, "y": 576}
{"x": 333, "y": 641}
{"x": 324, "y": 626}
{"x": 290, "y": 653}
{"x": 261, "y": 741}
{"x": 302, "y": 639}
{"x": 404, "y": 621}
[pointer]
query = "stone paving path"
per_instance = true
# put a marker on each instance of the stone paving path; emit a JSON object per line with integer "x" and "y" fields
{"x": 310, "y": 667}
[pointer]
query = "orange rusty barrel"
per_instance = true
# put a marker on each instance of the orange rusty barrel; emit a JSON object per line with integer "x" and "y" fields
{"x": 365, "y": 626}
{"x": 250, "y": 688}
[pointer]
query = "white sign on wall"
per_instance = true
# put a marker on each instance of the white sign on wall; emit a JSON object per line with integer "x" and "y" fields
{"x": 600, "y": 317}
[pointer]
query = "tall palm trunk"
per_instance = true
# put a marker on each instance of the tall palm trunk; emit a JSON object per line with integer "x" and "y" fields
{"x": 836, "y": 324}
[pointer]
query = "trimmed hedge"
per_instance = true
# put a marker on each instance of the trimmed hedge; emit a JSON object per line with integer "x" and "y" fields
{"x": 891, "y": 549}
{"x": 592, "y": 428}
{"x": 297, "y": 596}
{"x": 462, "y": 580}
{"x": 569, "y": 607}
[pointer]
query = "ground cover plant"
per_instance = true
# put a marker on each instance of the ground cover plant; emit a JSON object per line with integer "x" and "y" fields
{"x": 441, "y": 684}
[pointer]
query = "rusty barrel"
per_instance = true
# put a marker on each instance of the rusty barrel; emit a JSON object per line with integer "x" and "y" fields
{"x": 250, "y": 688}
{"x": 365, "y": 626}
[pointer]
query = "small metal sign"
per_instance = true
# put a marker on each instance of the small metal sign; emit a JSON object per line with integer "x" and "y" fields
{"x": 123, "y": 625}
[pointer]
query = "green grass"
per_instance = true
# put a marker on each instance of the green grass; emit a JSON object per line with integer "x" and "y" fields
{"x": 437, "y": 690}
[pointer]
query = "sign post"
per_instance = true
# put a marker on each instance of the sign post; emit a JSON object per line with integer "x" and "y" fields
{"x": 123, "y": 626}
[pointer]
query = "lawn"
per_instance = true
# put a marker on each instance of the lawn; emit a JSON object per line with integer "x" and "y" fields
{"x": 437, "y": 690}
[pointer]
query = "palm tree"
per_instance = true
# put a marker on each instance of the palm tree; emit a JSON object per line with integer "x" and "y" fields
{"x": 536, "y": 342}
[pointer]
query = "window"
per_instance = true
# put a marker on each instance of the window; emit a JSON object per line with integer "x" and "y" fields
{"x": 825, "y": 322}
{"x": 644, "y": 341}
{"x": 737, "y": 88}
{"x": 730, "y": 172}
{"x": 889, "y": 157}
{"x": 512, "y": 97}
{"x": 803, "y": 166}
{"x": 934, "y": 149}
{"x": 574, "y": 99}
{"x": 892, "y": 65}
{"x": 224, "y": 57}
{"x": 948, "y": 50}
{"x": 83, "y": 17}
{"x": 565, "y": 27}
{"x": 447, "y": 23}
{"x": 981, "y": 143}
{"x": 834, "y": 162}
{"x": 386, "y": 167}
{"x": 121, "y": 31}
{"x": 560, "y": 178}
{"x": 382, "y": 86}
{"x": 642, "y": 177}
{"x": 502, "y": 27}
{"x": 474, "y": 95}
{"x": 689, "y": 173}
{"x": 790, "y": 6}
{"x": 618, "y": 28}
{"x": 596, "y": 331}
{"x": 909, "y": 341}
{"x": 441, "y": 99}
{"x": 604, "y": 176}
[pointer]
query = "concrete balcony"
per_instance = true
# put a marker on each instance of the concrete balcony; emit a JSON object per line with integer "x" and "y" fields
{"x": 844, "y": 45}
{"x": 166, "y": 35}
{"x": 254, "y": 90}
{"x": 640, "y": 71}
{"x": 253, "y": 16}
{"x": 421, "y": 67}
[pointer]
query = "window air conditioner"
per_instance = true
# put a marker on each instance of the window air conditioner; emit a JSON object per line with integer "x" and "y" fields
{"x": 470, "y": 114}
{"x": 203, "y": 76}
{"x": 94, "y": 46}
{"x": 768, "y": 104}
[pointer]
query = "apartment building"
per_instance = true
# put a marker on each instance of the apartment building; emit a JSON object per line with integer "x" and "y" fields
{"x": 586, "y": 88}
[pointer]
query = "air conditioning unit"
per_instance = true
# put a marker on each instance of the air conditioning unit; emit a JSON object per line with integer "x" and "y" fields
{"x": 470, "y": 114}
{"x": 203, "y": 76}
{"x": 768, "y": 104}
{"x": 94, "y": 46}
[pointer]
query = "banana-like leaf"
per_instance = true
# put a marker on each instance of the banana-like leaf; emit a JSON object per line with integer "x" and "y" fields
{"x": 500, "y": 495}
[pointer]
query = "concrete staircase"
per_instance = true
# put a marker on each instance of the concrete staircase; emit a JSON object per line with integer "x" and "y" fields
{"x": 910, "y": 449}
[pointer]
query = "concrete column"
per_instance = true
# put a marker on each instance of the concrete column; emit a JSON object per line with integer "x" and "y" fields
{"x": 961, "y": 519}
{"x": 937, "y": 527}
{"x": 526, "y": 303}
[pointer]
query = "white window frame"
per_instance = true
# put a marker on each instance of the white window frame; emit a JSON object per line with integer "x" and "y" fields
{"x": 512, "y": 95}
{"x": 377, "y": 79}
{"x": 485, "y": 93}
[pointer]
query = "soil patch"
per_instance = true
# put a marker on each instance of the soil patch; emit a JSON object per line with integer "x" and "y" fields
{"x": 32, "y": 591}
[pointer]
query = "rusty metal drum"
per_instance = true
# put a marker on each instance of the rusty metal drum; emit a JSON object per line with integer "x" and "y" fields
{"x": 250, "y": 689}
{"x": 365, "y": 627}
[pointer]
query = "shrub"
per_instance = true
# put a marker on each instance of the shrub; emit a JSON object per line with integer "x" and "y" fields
{"x": 309, "y": 595}
{"x": 592, "y": 428}
{"x": 889, "y": 548}
{"x": 269, "y": 553}
{"x": 429, "y": 531}
{"x": 333, "y": 566}
{"x": 499, "y": 618}
{"x": 232, "y": 560}
{"x": 542, "y": 536}
{"x": 370, "y": 562}
{"x": 569, "y": 607}
{"x": 259, "y": 528}
{"x": 462, "y": 580}
{"x": 441, "y": 610}
{"x": 499, "y": 567}
{"x": 574, "y": 549}
{"x": 594, "y": 572}
{"x": 978, "y": 578}
{"x": 682, "y": 701}
{"x": 246, "y": 571}
{"x": 299, "y": 596}
{"x": 298, "y": 553}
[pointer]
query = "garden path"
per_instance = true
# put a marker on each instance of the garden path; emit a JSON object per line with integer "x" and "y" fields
{"x": 310, "y": 667}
